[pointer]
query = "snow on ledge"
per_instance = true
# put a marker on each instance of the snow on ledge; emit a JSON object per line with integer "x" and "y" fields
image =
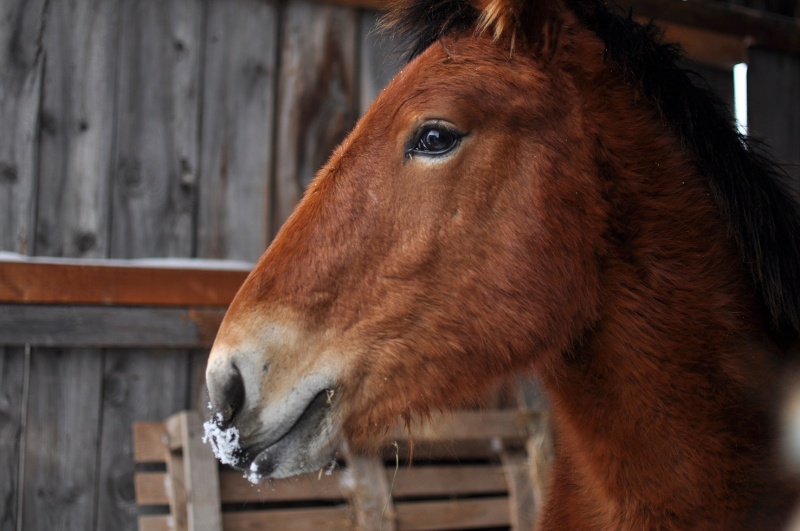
{"x": 154, "y": 263}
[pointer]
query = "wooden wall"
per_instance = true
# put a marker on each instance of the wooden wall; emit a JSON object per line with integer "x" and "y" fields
{"x": 149, "y": 128}
{"x": 176, "y": 128}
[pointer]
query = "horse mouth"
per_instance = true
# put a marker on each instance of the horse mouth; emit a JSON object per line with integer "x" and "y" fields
{"x": 305, "y": 446}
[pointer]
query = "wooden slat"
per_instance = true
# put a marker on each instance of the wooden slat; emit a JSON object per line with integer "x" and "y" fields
{"x": 502, "y": 424}
{"x": 234, "y": 488}
{"x": 755, "y": 27}
{"x": 150, "y": 488}
{"x": 453, "y": 514}
{"x": 238, "y": 128}
{"x": 708, "y": 47}
{"x": 63, "y": 418}
{"x": 137, "y": 385}
{"x": 381, "y": 60}
{"x": 155, "y": 523}
{"x": 40, "y": 281}
{"x": 79, "y": 326}
{"x": 21, "y": 73}
{"x": 200, "y": 477}
{"x": 156, "y": 157}
{"x": 148, "y": 442}
{"x": 421, "y": 481}
{"x": 368, "y": 490}
{"x": 178, "y": 490}
{"x": 316, "y": 95}
{"x": 326, "y": 518}
{"x": 12, "y": 400}
{"x": 775, "y": 32}
{"x": 521, "y": 500}
{"x": 539, "y": 447}
{"x": 77, "y": 128}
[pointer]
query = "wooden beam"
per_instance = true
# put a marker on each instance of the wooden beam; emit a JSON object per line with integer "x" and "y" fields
{"x": 757, "y": 28}
{"x": 117, "y": 283}
{"x": 708, "y": 47}
{"x": 103, "y": 326}
{"x": 719, "y": 23}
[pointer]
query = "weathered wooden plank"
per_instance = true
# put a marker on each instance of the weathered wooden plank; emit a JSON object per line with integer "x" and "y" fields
{"x": 317, "y": 94}
{"x": 200, "y": 479}
{"x": 63, "y": 415}
{"x": 312, "y": 519}
{"x": 84, "y": 326}
{"x": 137, "y": 386}
{"x": 12, "y": 380}
{"x": 177, "y": 468}
{"x": 157, "y": 159}
{"x": 521, "y": 499}
{"x": 423, "y": 481}
{"x": 155, "y": 179}
{"x": 55, "y": 283}
{"x": 150, "y": 488}
{"x": 155, "y": 523}
{"x": 21, "y": 66}
{"x": 235, "y": 488}
{"x": 238, "y": 122}
{"x": 381, "y": 59}
{"x": 77, "y": 124}
{"x": 763, "y": 29}
{"x": 453, "y": 514}
{"x": 369, "y": 492}
{"x": 503, "y": 424}
{"x": 757, "y": 27}
{"x": 148, "y": 442}
{"x": 79, "y": 41}
{"x": 540, "y": 457}
{"x": 719, "y": 50}
{"x": 773, "y": 86}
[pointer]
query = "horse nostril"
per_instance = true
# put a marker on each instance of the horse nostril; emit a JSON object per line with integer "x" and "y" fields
{"x": 232, "y": 397}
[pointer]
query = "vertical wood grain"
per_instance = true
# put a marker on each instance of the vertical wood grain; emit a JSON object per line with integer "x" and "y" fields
{"x": 773, "y": 87}
{"x": 138, "y": 385}
{"x": 12, "y": 372}
{"x": 77, "y": 121}
{"x": 156, "y": 163}
{"x": 238, "y": 123}
{"x": 60, "y": 453}
{"x": 381, "y": 59}
{"x": 155, "y": 175}
{"x": 21, "y": 61}
{"x": 317, "y": 95}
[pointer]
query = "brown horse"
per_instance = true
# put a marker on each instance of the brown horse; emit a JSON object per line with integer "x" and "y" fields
{"x": 540, "y": 189}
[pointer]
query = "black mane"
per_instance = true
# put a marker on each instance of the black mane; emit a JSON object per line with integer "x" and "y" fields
{"x": 749, "y": 188}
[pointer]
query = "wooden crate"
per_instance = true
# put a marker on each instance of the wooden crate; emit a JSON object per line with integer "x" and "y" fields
{"x": 471, "y": 469}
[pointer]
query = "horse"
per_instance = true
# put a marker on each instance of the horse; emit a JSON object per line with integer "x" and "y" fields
{"x": 541, "y": 190}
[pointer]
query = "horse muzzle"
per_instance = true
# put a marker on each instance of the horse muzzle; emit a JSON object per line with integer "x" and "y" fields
{"x": 266, "y": 423}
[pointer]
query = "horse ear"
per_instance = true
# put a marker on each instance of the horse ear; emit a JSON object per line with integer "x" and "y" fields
{"x": 530, "y": 25}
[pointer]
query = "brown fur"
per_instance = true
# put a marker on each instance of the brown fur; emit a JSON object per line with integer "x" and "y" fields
{"x": 570, "y": 234}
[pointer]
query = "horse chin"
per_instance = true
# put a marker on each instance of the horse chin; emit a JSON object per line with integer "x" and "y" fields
{"x": 307, "y": 445}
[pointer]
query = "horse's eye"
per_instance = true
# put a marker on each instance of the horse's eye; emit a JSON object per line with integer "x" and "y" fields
{"x": 435, "y": 140}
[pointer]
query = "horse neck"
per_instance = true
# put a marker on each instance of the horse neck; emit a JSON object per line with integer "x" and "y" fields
{"x": 666, "y": 398}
